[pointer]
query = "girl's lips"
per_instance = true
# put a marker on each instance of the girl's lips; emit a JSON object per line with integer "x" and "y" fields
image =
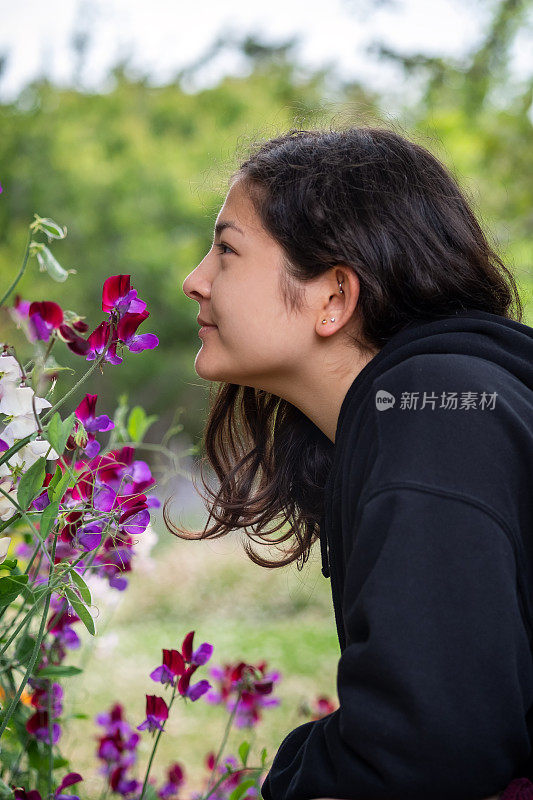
{"x": 205, "y": 328}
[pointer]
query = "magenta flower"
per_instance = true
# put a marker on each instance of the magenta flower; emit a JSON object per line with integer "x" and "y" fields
{"x": 44, "y": 318}
{"x": 76, "y": 343}
{"x": 37, "y": 725}
{"x": 253, "y": 683}
{"x": 33, "y": 794}
{"x": 175, "y": 778}
{"x": 85, "y": 412}
{"x": 172, "y": 667}
{"x": 156, "y": 713}
{"x": 98, "y": 341}
{"x": 135, "y": 342}
{"x": 117, "y": 749}
{"x": 118, "y": 296}
{"x": 68, "y": 780}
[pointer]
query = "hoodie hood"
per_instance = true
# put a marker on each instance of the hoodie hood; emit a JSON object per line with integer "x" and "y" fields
{"x": 505, "y": 342}
{"x": 502, "y": 341}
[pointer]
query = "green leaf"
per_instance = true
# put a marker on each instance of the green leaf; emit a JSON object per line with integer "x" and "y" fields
{"x": 9, "y": 563}
{"x": 31, "y": 483}
{"x": 47, "y": 519}
{"x": 53, "y": 483}
{"x": 80, "y": 610}
{"x": 49, "y": 263}
{"x": 241, "y": 789}
{"x": 57, "y": 431}
{"x": 138, "y": 423}
{"x": 263, "y": 756}
{"x": 79, "y": 715}
{"x": 39, "y": 759}
{"x": 24, "y": 649}
{"x": 61, "y": 487}
{"x": 10, "y": 588}
{"x": 244, "y": 749}
{"x": 59, "y": 671}
{"x": 82, "y": 586}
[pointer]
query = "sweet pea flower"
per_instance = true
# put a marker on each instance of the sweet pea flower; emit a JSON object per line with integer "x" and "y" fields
{"x": 119, "y": 297}
{"x": 10, "y": 368}
{"x": 20, "y": 311}
{"x": 117, "y": 749}
{"x": 37, "y": 726}
{"x": 135, "y": 342}
{"x": 98, "y": 341}
{"x": 180, "y": 666}
{"x": 44, "y": 318}
{"x": 68, "y": 780}
{"x": 7, "y": 508}
{"x": 85, "y": 412}
{"x": 243, "y": 678}
{"x": 175, "y": 778}
{"x": 74, "y": 342}
{"x": 5, "y": 541}
{"x": 17, "y": 400}
{"x": 156, "y": 713}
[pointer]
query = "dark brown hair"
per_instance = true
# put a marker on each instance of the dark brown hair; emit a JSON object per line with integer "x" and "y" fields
{"x": 386, "y": 207}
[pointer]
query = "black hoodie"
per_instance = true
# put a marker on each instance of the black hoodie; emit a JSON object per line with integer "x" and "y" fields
{"x": 427, "y": 535}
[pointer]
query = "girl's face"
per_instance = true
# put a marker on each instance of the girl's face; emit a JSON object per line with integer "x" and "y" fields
{"x": 257, "y": 341}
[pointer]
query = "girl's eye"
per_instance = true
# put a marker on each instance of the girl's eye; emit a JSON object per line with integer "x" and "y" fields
{"x": 222, "y": 246}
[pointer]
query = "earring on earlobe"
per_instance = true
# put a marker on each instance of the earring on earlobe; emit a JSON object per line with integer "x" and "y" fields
{"x": 341, "y": 290}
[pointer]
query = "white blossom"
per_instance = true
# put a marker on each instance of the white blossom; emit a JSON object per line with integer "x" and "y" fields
{"x": 7, "y": 509}
{"x": 5, "y": 541}
{"x": 9, "y": 368}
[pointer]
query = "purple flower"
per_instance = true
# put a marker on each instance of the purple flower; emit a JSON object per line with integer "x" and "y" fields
{"x": 118, "y": 296}
{"x": 156, "y": 713}
{"x": 136, "y": 342}
{"x": 85, "y": 412}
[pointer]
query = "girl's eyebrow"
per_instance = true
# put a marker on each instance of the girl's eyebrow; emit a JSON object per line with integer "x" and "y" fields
{"x": 223, "y": 224}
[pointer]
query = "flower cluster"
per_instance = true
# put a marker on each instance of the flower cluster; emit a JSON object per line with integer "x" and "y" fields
{"x": 45, "y": 319}
{"x": 244, "y": 688}
{"x": 179, "y": 666}
{"x": 126, "y": 312}
{"x": 117, "y": 749}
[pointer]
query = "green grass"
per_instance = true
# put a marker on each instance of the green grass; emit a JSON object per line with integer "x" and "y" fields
{"x": 247, "y": 612}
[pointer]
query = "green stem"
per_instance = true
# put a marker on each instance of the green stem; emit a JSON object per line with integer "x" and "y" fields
{"x": 21, "y": 271}
{"x": 224, "y": 740}
{"x": 50, "y": 739}
{"x": 157, "y": 742}
{"x": 10, "y": 711}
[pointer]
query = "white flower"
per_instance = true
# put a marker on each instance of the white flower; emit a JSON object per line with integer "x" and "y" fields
{"x": 34, "y": 450}
{"x": 18, "y": 428}
{"x": 9, "y": 368}
{"x": 17, "y": 400}
{"x": 7, "y": 509}
{"x": 5, "y": 541}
